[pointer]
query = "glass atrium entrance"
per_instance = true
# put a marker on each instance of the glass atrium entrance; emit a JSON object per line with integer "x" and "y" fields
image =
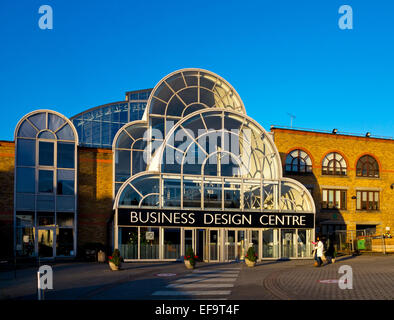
{"x": 209, "y": 244}
{"x": 197, "y": 172}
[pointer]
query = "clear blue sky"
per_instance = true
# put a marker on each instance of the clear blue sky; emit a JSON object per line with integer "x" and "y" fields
{"x": 281, "y": 56}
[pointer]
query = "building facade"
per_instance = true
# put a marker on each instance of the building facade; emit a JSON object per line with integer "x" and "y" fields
{"x": 183, "y": 166}
{"x": 350, "y": 177}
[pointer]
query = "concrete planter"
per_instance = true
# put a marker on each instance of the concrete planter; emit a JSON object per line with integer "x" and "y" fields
{"x": 249, "y": 263}
{"x": 113, "y": 266}
{"x": 188, "y": 264}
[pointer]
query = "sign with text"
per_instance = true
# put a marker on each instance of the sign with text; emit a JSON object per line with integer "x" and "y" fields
{"x": 149, "y": 235}
{"x": 204, "y": 218}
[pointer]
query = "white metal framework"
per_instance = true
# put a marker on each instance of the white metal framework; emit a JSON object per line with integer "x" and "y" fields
{"x": 197, "y": 148}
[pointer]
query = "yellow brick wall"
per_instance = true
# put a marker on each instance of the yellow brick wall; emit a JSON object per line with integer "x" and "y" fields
{"x": 317, "y": 145}
{"x": 94, "y": 194}
{"x": 7, "y": 157}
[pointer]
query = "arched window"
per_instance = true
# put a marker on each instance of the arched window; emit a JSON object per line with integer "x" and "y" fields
{"x": 334, "y": 164}
{"x": 45, "y": 185}
{"x": 367, "y": 166}
{"x": 298, "y": 161}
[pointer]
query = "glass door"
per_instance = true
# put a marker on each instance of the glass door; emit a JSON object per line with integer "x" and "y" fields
{"x": 201, "y": 248}
{"x": 255, "y": 242}
{"x": 241, "y": 244}
{"x": 213, "y": 245}
{"x": 46, "y": 241}
{"x": 288, "y": 243}
{"x": 230, "y": 245}
{"x": 270, "y": 243}
{"x": 188, "y": 241}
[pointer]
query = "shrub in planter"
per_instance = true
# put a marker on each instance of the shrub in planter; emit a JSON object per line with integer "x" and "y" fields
{"x": 190, "y": 259}
{"x": 115, "y": 261}
{"x": 251, "y": 257}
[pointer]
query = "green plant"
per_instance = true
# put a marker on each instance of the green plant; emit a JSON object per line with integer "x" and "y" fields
{"x": 116, "y": 259}
{"x": 190, "y": 256}
{"x": 251, "y": 254}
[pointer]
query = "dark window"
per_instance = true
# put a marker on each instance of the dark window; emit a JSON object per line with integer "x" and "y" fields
{"x": 333, "y": 199}
{"x": 25, "y": 182}
{"x": 46, "y": 153}
{"x": 26, "y": 153}
{"x": 45, "y": 219}
{"x": 65, "y": 182}
{"x": 65, "y": 155}
{"x": 45, "y": 181}
{"x": 298, "y": 161}
{"x": 367, "y": 200}
{"x": 367, "y": 166}
{"x": 65, "y": 219}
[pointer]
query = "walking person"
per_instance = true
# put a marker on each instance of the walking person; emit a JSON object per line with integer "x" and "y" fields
{"x": 319, "y": 247}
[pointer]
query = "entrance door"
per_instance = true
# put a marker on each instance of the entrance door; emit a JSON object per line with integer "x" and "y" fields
{"x": 288, "y": 247}
{"x": 213, "y": 241}
{"x": 46, "y": 241}
{"x": 189, "y": 241}
{"x": 230, "y": 245}
{"x": 241, "y": 244}
{"x": 201, "y": 249}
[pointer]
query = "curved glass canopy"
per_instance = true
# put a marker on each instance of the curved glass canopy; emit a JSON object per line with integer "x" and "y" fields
{"x": 98, "y": 126}
{"x": 186, "y": 91}
{"x": 199, "y": 149}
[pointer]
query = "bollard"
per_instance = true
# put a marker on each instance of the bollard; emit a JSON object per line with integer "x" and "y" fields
{"x": 38, "y": 285}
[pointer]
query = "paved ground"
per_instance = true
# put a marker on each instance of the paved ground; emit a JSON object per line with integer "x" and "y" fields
{"x": 373, "y": 278}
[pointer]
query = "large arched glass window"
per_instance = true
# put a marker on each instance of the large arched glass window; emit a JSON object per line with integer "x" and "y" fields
{"x": 298, "y": 161}
{"x": 334, "y": 164}
{"x": 367, "y": 166}
{"x": 45, "y": 185}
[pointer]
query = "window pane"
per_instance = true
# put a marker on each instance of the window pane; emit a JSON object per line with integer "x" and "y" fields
{"x": 65, "y": 182}
{"x": 232, "y": 195}
{"x": 128, "y": 242}
{"x": 191, "y": 194}
{"x": 65, "y": 133}
{"x": 149, "y": 249}
{"x": 26, "y": 152}
{"x": 65, "y": 219}
{"x": 343, "y": 199}
{"x": 330, "y": 199}
{"x": 54, "y": 121}
{"x": 45, "y": 218}
{"x": 39, "y": 120}
{"x": 212, "y": 195}
{"x": 25, "y": 182}
{"x": 337, "y": 199}
{"x": 65, "y": 155}
{"x": 47, "y": 135}
{"x": 172, "y": 193}
{"x": 26, "y": 130}
{"x": 24, "y": 241}
{"x": 64, "y": 242}
{"x": 46, "y": 153}
{"x": 122, "y": 165}
{"x": 358, "y": 200}
{"x": 45, "y": 181}
{"x": 24, "y": 219}
{"x": 172, "y": 243}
